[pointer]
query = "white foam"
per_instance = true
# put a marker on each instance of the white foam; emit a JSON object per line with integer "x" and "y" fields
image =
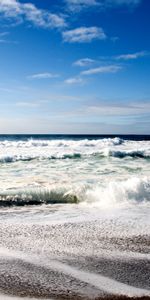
{"x": 90, "y": 169}
{"x": 61, "y": 143}
{"x": 115, "y": 193}
{"x": 11, "y": 151}
{"x": 5, "y": 297}
{"x": 131, "y": 191}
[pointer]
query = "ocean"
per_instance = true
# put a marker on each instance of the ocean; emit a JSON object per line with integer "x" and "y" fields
{"x": 74, "y": 216}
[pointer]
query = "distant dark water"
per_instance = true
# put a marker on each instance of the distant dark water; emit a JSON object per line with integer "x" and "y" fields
{"x": 131, "y": 137}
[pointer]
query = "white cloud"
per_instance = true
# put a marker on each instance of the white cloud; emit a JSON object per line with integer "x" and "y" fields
{"x": 74, "y": 80}
{"x": 83, "y": 34}
{"x": 132, "y": 55}
{"x": 28, "y": 11}
{"x": 43, "y": 76}
{"x": 83, "y": 62}
{"x": 102, "y": 69}
{"x": 42, "y": 18}
{"x": 10, "y": 8}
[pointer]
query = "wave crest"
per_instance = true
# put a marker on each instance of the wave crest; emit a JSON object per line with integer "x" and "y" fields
{"x": 141, "y": 153}
{"x": 60, "y": 143}
{"x": 132, "y": 191}
{"x": 12, "y": 151}
{"x": 145, "y": 154}
{"x": 36, "y": 198}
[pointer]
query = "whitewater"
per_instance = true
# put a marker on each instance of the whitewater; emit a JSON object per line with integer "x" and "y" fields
{"x": 74, "y": 217}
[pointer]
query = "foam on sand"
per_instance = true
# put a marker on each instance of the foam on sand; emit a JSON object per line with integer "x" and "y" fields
{"x": 103, "y": 283}
{"x": 5, "y": 297}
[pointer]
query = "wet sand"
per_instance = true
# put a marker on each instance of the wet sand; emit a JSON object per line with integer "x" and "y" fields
{"x": 5, "y": 297}
{"x": 76, "y": 260}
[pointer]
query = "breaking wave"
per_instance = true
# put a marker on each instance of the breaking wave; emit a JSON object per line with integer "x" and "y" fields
{"x": 36, "y": 198}
{"x": 59, "y": 143}
{"x": 12, "y": 151}
{"x": 145, "y": 154}
{"x": 127, "y": 192}
{"x": 14, "y": 158}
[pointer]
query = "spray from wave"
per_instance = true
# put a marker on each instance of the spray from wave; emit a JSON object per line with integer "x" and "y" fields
{"x": 128, "y": 192}
{"x": 116, "y": 193}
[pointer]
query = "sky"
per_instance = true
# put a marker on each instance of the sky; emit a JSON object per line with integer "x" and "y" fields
{"x": 75, "y": 66}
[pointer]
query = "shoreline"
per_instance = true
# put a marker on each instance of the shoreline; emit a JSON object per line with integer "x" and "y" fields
{"x": 68, "y": 297}
{"x": 73, "y": 278}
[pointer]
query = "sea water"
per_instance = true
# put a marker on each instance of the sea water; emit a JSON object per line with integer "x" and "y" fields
{"x": 69, "y": 204}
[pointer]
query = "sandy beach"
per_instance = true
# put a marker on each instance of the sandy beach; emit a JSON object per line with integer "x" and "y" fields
{"x": 74, "y": 259}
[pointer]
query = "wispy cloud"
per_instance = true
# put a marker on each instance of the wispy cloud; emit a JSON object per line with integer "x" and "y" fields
{"x": 42, "y": 18}
{"x": 27, "y": 104}
{"x": 83, "y": 34}
{"x": 102, "y": 69}
{"x": 78, "y": 5}
{"x": 5, "y": 33}
{"x": 114, "y": 39}
{"x": 4, "y": 41}
{"x": 115, "y": 109}
{"x": 7, "y": 90}
{"x": 131, "y": 56}
{"x": 119, "y": 2}
{"x": 74, "y": 80}
{"x": 43, "y": 76}
{"x": 13, "y": 9}
{"x": 84, "y": 62}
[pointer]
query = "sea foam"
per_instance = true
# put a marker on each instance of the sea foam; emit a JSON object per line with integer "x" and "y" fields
{"x": 12, "y": 151}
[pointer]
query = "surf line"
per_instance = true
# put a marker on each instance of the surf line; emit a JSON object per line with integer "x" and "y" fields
{"x": 6, "y": 297}
{"x": 103, "y": 283}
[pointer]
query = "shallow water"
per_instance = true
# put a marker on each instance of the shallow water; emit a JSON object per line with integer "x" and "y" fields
{"x": 74, "y": 217}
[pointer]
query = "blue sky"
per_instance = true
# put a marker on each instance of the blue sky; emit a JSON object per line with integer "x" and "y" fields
{"x": 75, "y": 66}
